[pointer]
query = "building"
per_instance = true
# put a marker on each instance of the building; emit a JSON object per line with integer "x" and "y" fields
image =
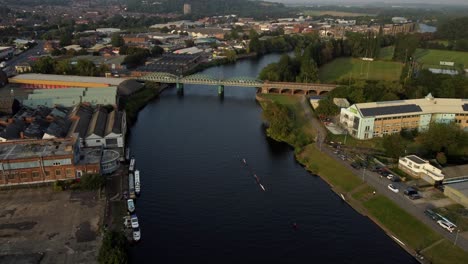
{"x": 377, "y": 119}
{"x": 217, "y": 33}
{"x": 457, "y": 192}
{"x": 98, "y": 126}
{"x": 38, "y": 161}
{"x": 135, "y": 38}
{"x": 24, "y": 67}
{"x": 419, "y": 168}
{"x": 187, "y": 9}
{"x": 71, "y": 96}
{"x": 36, "y": 80}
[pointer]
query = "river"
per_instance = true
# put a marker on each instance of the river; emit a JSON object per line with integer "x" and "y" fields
{"x": 200, "y": 204}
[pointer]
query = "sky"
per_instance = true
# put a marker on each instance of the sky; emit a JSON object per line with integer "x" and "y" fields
{"x": 389, "y": 2}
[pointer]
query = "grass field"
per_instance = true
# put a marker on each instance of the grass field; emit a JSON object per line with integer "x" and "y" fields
{"x": 344, "y": 68}
{"x": 446, "y": 253}
{"x": 431, "y": 58}
{"x": 334, "y": 13}
{"x": 414, "y": 233}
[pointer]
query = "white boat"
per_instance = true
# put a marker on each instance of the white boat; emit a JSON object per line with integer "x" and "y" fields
{"x": 130, "y": 205}
{"x": 245, "y": 162}
{"x": 137, "y": 182}
{"x": 131, "y": 185}
{"x": 132, "y": 164}
{"x": 136, "y": 234}
{"x": 134, "y": 221}
{"x": 261, "y": 186}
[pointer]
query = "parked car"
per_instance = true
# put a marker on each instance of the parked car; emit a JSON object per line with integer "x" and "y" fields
{"x": 393, "y": 188}
{"x": 395, "y": 179}
{"x": 389, "y": 176}
{"x": 134, "y": 220}
{"x": 414, "y": 196}
{"x": 356, "y": 165}
{"x": 446, "y": 225}
{"x": 410, "y": 191}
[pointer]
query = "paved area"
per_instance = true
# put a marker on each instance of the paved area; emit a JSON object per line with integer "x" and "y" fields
{"x": 41, "y": 225}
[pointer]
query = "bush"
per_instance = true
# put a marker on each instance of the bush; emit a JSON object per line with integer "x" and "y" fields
{"x": 113, "y": 249}
{"x": 92, "y": 182}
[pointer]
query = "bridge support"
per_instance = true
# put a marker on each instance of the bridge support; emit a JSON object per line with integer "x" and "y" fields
{"x": 221, "y": 90}
{"x": 180, "y": 88}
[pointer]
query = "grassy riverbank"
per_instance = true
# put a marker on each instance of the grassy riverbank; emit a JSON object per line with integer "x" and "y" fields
{"x": 393, "y": 219}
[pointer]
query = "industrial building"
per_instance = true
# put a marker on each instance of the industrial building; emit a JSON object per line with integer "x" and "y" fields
{"x": 37, "y": 161}
{"x": 457, "y": 192}
{"x": 51, "y": 81}
{"x": 72, "y": 96}
{"x": 377, "y": 119}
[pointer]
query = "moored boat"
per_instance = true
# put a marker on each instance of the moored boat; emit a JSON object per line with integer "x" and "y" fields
{"x": 137, "y": 182}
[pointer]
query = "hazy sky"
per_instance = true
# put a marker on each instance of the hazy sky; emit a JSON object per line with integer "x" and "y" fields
{"x": 390, "y": 2}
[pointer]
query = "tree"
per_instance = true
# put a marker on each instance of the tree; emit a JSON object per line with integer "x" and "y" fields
{"x": 327, "y": 107}
{"x": 44, "y": 65}
{"x": 157, "y": 51}
{"x": 113, "y": 249}
{"x": 394, "y": 145}
{"x": 254, "y": 44}
{"x": 85, "y": 68}
{"x": 278, "y": 117}
{"x": 64, "y": 67}
{"x": 441, "y": 137}
{"x": 441, "y": 158}
{"x": 117, "y": 40}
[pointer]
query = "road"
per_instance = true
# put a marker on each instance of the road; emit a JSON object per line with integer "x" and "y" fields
{"x": 380, "y": 184}
{"x": 37, "y": 50}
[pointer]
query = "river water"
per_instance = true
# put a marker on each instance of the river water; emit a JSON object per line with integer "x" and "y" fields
{"x": 200, "y": 204}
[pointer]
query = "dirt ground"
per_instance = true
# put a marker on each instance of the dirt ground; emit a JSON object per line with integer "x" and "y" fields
{"x": 39, "y": 225}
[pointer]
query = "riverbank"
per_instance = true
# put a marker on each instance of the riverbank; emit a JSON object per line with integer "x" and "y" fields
{"x": 219, "y": 62}
{"x": 138, "y": 100}
{"x": 408, "y": 231}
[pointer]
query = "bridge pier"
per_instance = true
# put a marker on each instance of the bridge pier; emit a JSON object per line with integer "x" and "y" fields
{"x": 221, "y": 90}
{"x": 180, "y": 88}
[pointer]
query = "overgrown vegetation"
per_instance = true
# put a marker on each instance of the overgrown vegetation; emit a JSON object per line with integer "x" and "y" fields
{"x": 138, "y": 100}
{"x": 114, "y": 248}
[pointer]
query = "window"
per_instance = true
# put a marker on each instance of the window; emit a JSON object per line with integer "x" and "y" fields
{"x": 58, "y": 172}
{"x": 47, "y": 173}
{"x": 11, "y": 176}
{"x": 366, "y": 135}
{"x": 35, "y": 174}
{"x": 98, "y": 140}
{"x": 23, "y": 175}
{"x": 69, "y": 172}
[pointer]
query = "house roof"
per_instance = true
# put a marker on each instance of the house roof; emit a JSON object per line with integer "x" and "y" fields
{"x": 97, "y": 125}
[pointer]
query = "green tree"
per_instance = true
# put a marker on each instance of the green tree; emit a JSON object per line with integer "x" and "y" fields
{"x": 441, "y": 158}
{"x": 327, "y": 107}
{"x": 117, "y": 40}
{"x": 394, "y": 145}
{"x": 441, "y": 137}
{"x": 279, "y": 118}
{"x": 113, "y": 249}
{"x": 254, "y": 44}
{"x": 44, "y": 65}
{"x": 157, "y": 51}
{"x": 64, "y": 67}
{"x": 85, "y": 68}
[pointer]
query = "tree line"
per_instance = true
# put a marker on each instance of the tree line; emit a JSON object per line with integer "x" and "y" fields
{"x": 82, "y": 67}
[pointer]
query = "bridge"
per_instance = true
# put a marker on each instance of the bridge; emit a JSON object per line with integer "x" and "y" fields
{"x": 242, "y": 81}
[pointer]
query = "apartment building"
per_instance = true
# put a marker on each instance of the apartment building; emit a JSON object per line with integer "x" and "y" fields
{"x": 377, "y": 119}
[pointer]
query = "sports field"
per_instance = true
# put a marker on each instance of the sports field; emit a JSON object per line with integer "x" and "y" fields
{"x": 432, "y": 58}
{"x": 334, "y": 13}
{"x": 344, "y": 68}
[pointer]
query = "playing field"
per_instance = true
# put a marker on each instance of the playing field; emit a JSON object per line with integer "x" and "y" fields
{"x": 386, "y": 53}
{"x": 432, "y": 58}
{"x": 344, "y": 68}
{"x": 334, "y": 13}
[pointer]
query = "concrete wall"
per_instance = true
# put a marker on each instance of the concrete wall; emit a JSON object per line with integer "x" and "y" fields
{"x": 456, "y": 195}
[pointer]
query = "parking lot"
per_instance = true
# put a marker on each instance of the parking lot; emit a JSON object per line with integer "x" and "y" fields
{"x": 46, "y": 226}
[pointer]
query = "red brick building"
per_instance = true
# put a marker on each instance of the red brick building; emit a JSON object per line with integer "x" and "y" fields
{"x": 37, "y": 161}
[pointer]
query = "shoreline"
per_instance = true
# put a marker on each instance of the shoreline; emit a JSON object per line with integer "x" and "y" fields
{"x": 349, "y": 199}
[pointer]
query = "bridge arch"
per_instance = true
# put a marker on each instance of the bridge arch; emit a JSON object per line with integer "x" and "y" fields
{"x": 200, "y": 78}
{"x": 242, "y": 80}
{"x": 299, "y": 92}
{"x": 274, "y": 90}
{"x": 286, "y": 91}
{"x": 159, "y": 76}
